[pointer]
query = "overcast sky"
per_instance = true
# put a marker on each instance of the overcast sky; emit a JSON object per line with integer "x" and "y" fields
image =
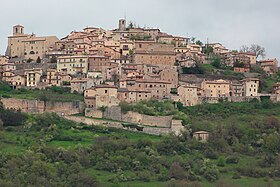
{"x": 230, "y": 22}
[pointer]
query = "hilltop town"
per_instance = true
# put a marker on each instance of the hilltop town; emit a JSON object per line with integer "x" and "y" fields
{"x": 135, "y": 106}
{"x": 131, "y": 64}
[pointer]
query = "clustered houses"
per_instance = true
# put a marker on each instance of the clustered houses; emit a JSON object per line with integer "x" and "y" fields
{"x": 125, "y": 64}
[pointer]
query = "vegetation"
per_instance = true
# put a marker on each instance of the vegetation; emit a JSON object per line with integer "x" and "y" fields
{"x": 155, "y": 108}
{"x": 46, "y": 150}
{"x": 54, "y": 93}
{"x": 254, "y": 48}
{"x": 197, "y": 69}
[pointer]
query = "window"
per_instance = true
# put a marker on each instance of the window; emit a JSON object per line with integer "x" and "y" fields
{"x": 106, "y": 91}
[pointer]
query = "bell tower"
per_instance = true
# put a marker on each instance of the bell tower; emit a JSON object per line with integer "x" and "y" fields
{"x": 122, "y": 25}
{"x": 18, "y": 30}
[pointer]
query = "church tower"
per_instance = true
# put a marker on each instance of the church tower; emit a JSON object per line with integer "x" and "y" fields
{"x": 122, "y": 25}
{"x": 18, "y": 30}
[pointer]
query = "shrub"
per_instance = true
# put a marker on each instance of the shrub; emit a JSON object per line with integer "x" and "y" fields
{"x": 236, "y": 176}
{"x": 210, "y": 153}
{"x": 221, "y": 162}
{"x": 232, "y": 160}
{"x": 144, "y": 176}
{"x": 211, "y": 174}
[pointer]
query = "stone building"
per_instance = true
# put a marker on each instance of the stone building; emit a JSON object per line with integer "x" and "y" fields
{"x": 101, "y": 96}
{"x": 29, "y": 46}
{"x": 270, "y": 66}
{"x": 251, "y": 87}
{"x": 188, "y": 95}
{"x": 33, "y": 77}
{"x": 79, "y": 85}
{"x": 217, "y": 88}
{"x": 149, "y": 52}
{"x": 133, "y": 96}
{"x": 218, "y": 48}
{"x": 169, "y": 75}
{"x": 72, "y": 64}
{"x": 17, "y": 81}
{"x": 158, "y": 89}
{"x": 201, "y": 136}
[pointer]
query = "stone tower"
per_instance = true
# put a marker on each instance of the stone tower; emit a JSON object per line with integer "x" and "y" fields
{"x": 122, "y": 25}
{"x": 18, "y": 30}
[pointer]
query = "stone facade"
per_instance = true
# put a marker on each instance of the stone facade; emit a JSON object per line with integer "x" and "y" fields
{"x": 149, "y": 52}
{"x": 115, "y": 113}
{"x": 27, "y": 46}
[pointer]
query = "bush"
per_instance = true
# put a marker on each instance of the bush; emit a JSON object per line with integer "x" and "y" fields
{"x": 12, "y": 117}
{"x": 221, "y": 162}
{"x": 144, "y": 176}
{"x": 232, "y": 160}
{"x": 210, "y": 153}
{"x": 211, "y": 175}
{"x": 236, "y": 176}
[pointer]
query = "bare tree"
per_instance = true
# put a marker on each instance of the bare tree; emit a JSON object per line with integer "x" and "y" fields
{"x": 244, "y": 49}
{"x": 260, "y": 51}
{"x": 254, "y": 48}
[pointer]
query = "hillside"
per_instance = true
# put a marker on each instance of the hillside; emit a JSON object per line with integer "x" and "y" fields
{"x": 48, "y": 150}
{"x": 54, "y": 94}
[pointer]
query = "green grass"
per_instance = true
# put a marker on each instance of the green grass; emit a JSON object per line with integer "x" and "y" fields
{"x": 51, "y": 94}
{"x": 225, "y": 180}
{"x": 18, "y": 140}
{"x": 39, "y": 94}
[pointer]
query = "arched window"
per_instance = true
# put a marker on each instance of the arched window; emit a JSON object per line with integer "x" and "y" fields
{"x": 32, "y": 53}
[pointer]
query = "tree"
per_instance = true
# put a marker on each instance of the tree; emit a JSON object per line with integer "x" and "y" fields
{"x": 130, "y": 25}
{"x": 38, "y": 60}
{"x": 260, "y": 51}
{"x": 198, "y": 42}
{"x": 216, "y": 62}
{"x": 177, "y": 171}
{"x": 272, "y": 142}
{"x": 254, "y": 48}
{"x": 82, "y": 179}
{"x": 244, "y": 49}
{"x": 193, "y": 39}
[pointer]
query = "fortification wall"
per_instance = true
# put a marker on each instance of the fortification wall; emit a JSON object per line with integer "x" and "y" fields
{"x": 35, "y": 106}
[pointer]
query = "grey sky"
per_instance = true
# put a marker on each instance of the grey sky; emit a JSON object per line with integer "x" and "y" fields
{"x": 232, "y": 23}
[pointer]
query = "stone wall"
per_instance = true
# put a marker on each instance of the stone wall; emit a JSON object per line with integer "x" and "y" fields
{"x": 93, "y": 113}
{"x": 212, "y": 100}
{"x": 147, "y": 130}
{"x": 197, "y": 79}
{"x": 35, "y": 106}
{"x": 157, "y": 121}
{"x": 43, "y": 66}
{"x": 275, "y": 98}
{"x": 115, "y": 113}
